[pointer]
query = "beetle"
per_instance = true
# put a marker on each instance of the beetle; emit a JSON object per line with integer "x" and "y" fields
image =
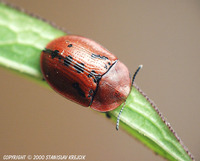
{"x": 85, "y": 72}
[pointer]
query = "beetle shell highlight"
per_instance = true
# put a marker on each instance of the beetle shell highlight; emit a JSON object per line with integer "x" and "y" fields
{"x": 85, "y": 72}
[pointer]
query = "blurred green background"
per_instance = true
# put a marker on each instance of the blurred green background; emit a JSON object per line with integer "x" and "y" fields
{"x": 164, "y": 36}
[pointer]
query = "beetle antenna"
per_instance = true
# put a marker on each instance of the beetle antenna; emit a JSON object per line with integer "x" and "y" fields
{"x": 118, "y": 117}
{"x": 136, "y": 72}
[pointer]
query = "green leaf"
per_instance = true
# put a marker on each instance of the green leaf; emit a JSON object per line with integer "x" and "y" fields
{"x": 142, "y": 119}
{"x": 22, "y": 37}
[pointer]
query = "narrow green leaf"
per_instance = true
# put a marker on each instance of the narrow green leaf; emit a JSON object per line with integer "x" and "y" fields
{"x": 142, "y": 120}
{"x": 22, "y": 37}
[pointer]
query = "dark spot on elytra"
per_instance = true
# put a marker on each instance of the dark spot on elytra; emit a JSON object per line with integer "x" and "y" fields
{"x": 91, "y": 74}
{"x": 108, "y": 63}
{"x": 70, "y": 45}
{"x": 68, "y": 60}
{"x": 91, "y": 92}
{"x": 79, "y": 67}
{"x": 53, "y": 53}
{"x": 106, "y": 67}
{"x": 98, "y": 56}
{"x": 79, "y": 90}
{"x": 47, "y": 51}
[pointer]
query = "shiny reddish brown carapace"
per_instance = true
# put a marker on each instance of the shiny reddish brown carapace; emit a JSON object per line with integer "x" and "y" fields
{"x": 85, "y": 72}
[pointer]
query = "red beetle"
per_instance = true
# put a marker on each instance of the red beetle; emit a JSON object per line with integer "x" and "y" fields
{"x": 85, "y": 72}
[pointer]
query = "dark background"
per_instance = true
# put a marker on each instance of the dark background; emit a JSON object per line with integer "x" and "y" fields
{"x": 164, "y": 36}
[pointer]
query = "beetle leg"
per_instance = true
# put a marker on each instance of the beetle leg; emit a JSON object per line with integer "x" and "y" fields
{"x": 108, "y": 115}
